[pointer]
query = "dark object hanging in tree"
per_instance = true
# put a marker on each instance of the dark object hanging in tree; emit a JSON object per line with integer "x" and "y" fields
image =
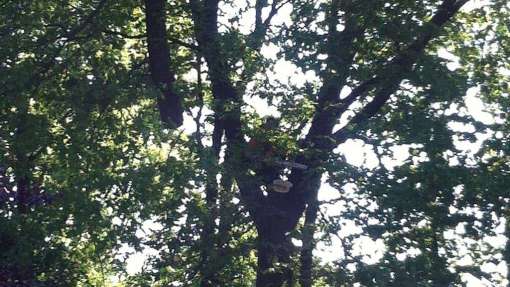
{"x": 169, "y": 103}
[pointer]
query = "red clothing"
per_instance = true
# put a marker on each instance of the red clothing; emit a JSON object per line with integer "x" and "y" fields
{"x": 259, "y": 148}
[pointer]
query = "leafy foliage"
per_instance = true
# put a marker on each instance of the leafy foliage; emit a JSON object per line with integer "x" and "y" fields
{"x": 398, "y": 108}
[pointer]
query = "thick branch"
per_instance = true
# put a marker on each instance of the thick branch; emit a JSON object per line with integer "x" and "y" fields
{"x": 256, "y": 38}
{"x": 262, "y": 25}
{"x": 340, "y": 50}
{"x": 306, "y": 256}
{"x": 227, "y": 106}
{"x": 400, "y": 66}
{"x": 169, "y": 103}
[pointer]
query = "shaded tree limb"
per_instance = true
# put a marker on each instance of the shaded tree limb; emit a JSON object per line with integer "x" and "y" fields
{"x": 255, "y": 39}
{"x": 227, "y": 104}
{"x": 306, "y": 256}
{"x": 227, "y": 101}
{"x": 399, "y": 67}
{"x": 169, "y": 103}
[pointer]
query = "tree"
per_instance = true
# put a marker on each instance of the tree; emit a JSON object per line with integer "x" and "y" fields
{"x": 81, "y": 85}
{"x": 275, "y": 215}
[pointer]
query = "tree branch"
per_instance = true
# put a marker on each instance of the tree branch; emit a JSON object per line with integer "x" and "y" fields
{"x": 340, "y": 50}
{"x": 256, "y": 37}
{"x": 169, "y": 103}
{"x": 401, "y": 65}
{"x": 262, "y": 25}
{"x": 227, "y": 105}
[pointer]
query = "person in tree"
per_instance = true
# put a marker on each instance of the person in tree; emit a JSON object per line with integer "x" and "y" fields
{"x": 268, "y": 158}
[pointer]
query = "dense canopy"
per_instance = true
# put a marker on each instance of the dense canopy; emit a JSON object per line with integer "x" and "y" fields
{"x": 254, "y": 143}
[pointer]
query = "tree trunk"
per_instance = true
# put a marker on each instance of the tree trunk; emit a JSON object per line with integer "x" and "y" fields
{"x": 169, "y": 103}
{"x": 440, "y": 276}
{"x": 506, "y": 252}
{"x": 274, "y": 258}
{"x": 306, "y": 258}
{"x": 23, "y": 194}
{"x": 208, "y": 237}
{"x": 208, "y": 240}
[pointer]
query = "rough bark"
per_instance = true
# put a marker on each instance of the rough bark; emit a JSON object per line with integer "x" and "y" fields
{"x": 208, "y": 234}
{"x": 169, "y": 103}
{"x": 506, "y": 252}
{"x": 225, "y": 122}
{"x": 306, "y": 258}
{"x": 273, "y": 258}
